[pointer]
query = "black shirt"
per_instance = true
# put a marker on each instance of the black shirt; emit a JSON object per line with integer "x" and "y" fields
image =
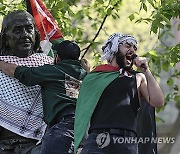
{"x": 117, "y": 106}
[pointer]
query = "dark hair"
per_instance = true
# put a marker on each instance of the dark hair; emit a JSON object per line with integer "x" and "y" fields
{"x": 7, "y": 20}
{"x": 67, "y": 50}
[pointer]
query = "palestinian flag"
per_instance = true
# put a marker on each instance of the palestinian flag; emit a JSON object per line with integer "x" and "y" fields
{"x": 88, "y": 99}
{"x": 46, "y": 24}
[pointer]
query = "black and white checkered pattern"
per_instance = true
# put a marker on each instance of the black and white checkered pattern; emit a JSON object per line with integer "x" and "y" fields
{"x": 21, "y": 106}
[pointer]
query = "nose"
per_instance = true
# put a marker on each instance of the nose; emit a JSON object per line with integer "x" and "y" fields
{"x": 131, "y": 51}
{"x": 133, "y": 48}
{"x": 24, "y": 32}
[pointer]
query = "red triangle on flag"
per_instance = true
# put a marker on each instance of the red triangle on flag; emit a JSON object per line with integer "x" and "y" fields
{"x": 44, "y": 21}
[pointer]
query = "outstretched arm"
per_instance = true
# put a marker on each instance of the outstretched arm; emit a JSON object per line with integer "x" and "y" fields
{"x": 149, "y": 88}
{"x": 29, "y": 76}
{"x": 8, "y": 68}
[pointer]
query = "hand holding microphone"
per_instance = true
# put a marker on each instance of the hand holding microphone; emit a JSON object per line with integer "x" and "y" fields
{"x": 140, "y": 62}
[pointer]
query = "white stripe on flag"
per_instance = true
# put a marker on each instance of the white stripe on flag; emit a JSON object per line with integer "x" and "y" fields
{"x": 52, "y": 32}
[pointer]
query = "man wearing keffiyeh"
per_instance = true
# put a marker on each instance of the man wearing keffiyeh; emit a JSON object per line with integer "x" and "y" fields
{"x": 21, "y": 116}
{"x": 110, "y": 97}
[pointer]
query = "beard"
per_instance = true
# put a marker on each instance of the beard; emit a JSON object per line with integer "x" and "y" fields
{"x": 120, "y": 58}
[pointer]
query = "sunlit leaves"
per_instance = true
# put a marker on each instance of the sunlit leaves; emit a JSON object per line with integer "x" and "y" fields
{"x": 166, "y": 61}
{"x": 80, "y": 20}
{"x": 163, "y": 12}
{"x": 153, "y": 53}
{"x": 167, "y": 57}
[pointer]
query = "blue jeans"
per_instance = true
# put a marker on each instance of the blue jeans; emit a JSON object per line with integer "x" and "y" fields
{"x": 106, "y": 143}
{"x": 59, "y": 139}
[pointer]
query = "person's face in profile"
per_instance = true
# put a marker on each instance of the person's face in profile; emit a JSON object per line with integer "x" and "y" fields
{"x": 21, "y": 36}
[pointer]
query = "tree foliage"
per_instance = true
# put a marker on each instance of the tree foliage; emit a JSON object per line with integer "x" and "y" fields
{"x": 83, "y": 20}
{"x": 164, "y": 11}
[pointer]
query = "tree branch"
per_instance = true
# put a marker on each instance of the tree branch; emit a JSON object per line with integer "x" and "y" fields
{"x": 87, "y": 48}
{"x": 100, "y": 28}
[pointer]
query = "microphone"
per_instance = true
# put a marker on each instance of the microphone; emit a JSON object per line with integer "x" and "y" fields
{"x": 134, "y": 56}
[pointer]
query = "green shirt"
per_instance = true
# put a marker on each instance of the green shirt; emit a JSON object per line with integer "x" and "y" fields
{"x": 59, "y": 83}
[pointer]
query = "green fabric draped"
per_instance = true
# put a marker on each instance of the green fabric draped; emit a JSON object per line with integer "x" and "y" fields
{"x": 91, "y": 89}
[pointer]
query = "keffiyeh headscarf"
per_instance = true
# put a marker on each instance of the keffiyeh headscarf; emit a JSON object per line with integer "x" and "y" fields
{"x": 111, "y": 46}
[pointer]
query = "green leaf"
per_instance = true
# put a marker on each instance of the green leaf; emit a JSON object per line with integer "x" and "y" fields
{"x": 80, "y": 33}
{"x": 168, "y": 97}
{"x": 114, "y": 16}
{"x": 2, "y": 7}
{"x": 165, "y": 66}
{"x": 165, "y": 18}
{"x": 131, "y": 17}
{"x": 144, "y": 7}
{"x": 142, "y": 1}
{"x": 109, "y": 11}
{"x": 161, "y": 25}
{"x": 176, "y": 88}
{"x": 100, "y": 1}
{"x": 153, "y": 53}
{"x": 172, "y": 64}
{"x": 151, "y": 2}
{"x": 170, "y": 82}
{"x": 141, "y": 6}
{"x": 154, "y": 28}
{"x": 177, "y": 98}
